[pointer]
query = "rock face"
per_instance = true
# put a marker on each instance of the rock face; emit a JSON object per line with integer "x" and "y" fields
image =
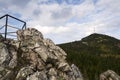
{"x": 31, "y": 57}
{"x": 109, "y": 75}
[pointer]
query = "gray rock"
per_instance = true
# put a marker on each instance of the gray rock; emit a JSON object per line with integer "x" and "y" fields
{"x": 29, "y": 33}
{"x": 38, "y": 76}
{"x": 52, "y": 78}
{"x": 4, "y": 55}
{"x": 76, "y": 72}
{"x": 42, "y": 51}
{"x": 13, "y": 54}
{"x": 52, "y": 72}
{"x": 64, "y": 66}
{"x": 8, "y": 56}
{"x": 24, "y": 72}
{"x": 57, "y": 51}
{"x": 32, "y": 57}
{"x": 109, "y": 75}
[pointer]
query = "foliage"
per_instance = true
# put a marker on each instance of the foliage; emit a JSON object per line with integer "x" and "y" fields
{"x": 94, "y": 54}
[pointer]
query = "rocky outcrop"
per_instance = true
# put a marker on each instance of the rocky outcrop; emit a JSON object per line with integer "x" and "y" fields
{"x": 31, "y": 57}
{"x": 109, "y": 75}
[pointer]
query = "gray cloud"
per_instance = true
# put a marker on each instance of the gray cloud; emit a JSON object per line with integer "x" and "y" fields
{"x": 20, "y": 3}
{"x": 36, "y": 12}
{"x": 62, "y": 14}
{"x": 68, "y": 2}
{"x": 4, "y": 4}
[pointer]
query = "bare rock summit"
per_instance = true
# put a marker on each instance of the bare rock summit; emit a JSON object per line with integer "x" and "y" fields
{"x": 31, "y": 57}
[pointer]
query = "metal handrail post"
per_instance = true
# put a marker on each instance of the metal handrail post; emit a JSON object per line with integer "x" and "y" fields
{"x": 6, "y": 26}
{"x": 24, "y": 26}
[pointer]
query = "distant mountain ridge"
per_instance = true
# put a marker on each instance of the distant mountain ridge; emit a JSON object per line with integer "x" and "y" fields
{"x": 94, "y": 54}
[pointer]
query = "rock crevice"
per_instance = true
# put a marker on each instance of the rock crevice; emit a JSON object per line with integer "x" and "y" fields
{"x": 31, "y": 57}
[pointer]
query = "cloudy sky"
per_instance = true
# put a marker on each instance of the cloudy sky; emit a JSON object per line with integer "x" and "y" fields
{"x": 67, "y": 20}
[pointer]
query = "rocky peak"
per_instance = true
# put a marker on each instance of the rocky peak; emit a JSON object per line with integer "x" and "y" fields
{"x": 31, "y": 57}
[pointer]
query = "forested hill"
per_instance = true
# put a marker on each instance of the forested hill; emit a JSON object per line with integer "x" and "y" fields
{"x": 94, "y": 54}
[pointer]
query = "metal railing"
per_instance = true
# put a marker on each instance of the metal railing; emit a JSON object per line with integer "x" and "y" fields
{"x": 8, "y": 32}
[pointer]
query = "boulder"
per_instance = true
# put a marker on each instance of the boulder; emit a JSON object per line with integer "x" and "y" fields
{"x": 109, "y": 75}
{"x": 31, "y": 57}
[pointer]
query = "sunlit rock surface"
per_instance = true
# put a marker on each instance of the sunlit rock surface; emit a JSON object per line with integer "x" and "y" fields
{"x": 31, "y": 57}
{"x": 109, "y": 75}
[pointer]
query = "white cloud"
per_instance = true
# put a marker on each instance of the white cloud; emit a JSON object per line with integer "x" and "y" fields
{"x": 67, "y": 22}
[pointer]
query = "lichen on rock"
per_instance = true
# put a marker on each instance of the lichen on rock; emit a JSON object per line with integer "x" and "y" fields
{"x": 32, "y": 57}
{"x": 109, "y": 75}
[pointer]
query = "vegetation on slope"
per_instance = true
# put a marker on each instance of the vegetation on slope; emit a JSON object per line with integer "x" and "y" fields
{"x": 94, "y": 54}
